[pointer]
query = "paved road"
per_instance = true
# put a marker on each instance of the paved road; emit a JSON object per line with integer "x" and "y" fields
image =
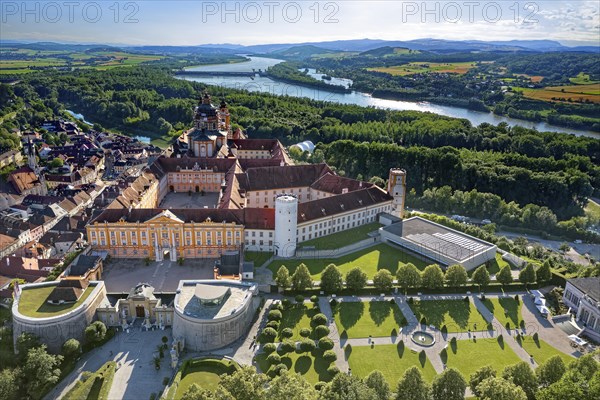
{"x": 136, "y": 378}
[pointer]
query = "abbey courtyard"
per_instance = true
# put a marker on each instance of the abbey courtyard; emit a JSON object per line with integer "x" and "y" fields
{"x": 223, "y": 251}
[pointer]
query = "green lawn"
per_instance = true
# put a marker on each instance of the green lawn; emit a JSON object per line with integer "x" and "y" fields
{"x": 542, "y": 351}
{"x": 205, "y": 372}
{"x": 392, "y": 360}
{"x": 369, "y": 260}
{"x": 469, "y": 355}
{"x": 341, "y": 239}
{"x": 96, "y": 387}
{"x": 457, "y": 315}
{"x": 592, "y": 209}
{"x": 33, "y": 302}
{"x": 493, "y": 266}
{"x": 296, "y": 317}
{"x": 361, "y": 318}
{"x": 505, "y": 309}
{"x": 258, "y": 257}
{"x": 311, "y": 366}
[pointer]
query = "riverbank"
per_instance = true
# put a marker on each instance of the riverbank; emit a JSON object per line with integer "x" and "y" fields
{"x": 295, "y": 89}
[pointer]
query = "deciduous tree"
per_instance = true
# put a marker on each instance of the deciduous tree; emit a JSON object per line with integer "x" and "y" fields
{"x": 449, "y": 385}
{"x": 383, "y": 280}
{"x": 408, "y": 276}
{"x": 301, "y": 278}
{"x": 432, "y": 277}
{"x": 412, "y": 386}
{"x": 331, "y": 279}
{"x": 456, "y": 275}
{"x": 356, "y": 279}
{"x": 283, "y": 278}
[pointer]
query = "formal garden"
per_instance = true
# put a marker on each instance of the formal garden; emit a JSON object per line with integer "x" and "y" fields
{"x": 391, "y": 359}
{"x": 453, "y": 315}
{"x": 468, "y": 355}
{"x": 295, "y": 339}
{"x": 204, "y": 372}
{"x": 507, "y": 310}
{"x": 361, "y": 319}
{"x": 540, "y": 350}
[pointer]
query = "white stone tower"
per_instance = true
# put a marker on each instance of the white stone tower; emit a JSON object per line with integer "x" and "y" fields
{"x": 30, "y": 153}
{"x": 286, "y": 224}
{"x": 397, "y": 189}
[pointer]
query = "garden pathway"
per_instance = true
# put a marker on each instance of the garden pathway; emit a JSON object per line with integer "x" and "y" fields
{"x": 334, "y": 335}
{"x": 244, "y": 354}
{"x": 509, "y": 339}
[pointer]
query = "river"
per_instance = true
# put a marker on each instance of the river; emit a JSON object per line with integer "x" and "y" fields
{"x": 268, "y": 85}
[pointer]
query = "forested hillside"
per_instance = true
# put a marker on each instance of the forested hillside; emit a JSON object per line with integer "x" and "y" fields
{"x": 554, "y": 170}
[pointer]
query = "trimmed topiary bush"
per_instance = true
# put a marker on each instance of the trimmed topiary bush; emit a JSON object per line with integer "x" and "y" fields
{"x": 287, "y": 333}
{"x": 305, "y": 332}
{"x": 277, "y": 306}
{"x": 307, "y": 345}
{"x": 268, "y": 334}
{"x": 286, "y": 303}
{"x": 269, "y": 348}
{"x": 274, "y": 359}
{"x": 273, "y": 324}
{"x": 333, "y": 370}
{"x": 274, "y": 315}
{"x": 325, "y": 343}
{"x": 329, "y": 356}
{"x": 333, "y": 302}
{"x": 314, "y": 299}
{"x": 319, "y": 319}
{"x": 321, "y": 331}
{"x": 299, "y": 298}
{"x": 287, "y": 346}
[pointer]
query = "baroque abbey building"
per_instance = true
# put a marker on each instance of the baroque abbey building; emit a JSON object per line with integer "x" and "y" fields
{"x": 220, "y": 191}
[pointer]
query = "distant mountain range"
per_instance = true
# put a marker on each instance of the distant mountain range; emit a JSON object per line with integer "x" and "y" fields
{"x": 356, "y": 45}
{"x": 435, "y": 45}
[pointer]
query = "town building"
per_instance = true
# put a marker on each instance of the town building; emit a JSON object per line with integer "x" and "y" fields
{"x": 582, "y": 296}
{"x": 438, "y": 244}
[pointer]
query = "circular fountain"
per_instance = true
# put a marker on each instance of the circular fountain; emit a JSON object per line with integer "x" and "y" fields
{"x": 423, "y": 338}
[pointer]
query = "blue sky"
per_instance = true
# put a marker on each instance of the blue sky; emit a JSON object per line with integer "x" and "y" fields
{"x": 246, "y": 22}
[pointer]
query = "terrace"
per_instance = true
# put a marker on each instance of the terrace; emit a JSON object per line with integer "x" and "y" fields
{"x": 32, "y": 302}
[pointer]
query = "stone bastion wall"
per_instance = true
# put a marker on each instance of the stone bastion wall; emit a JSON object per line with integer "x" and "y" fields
{"x": 54, "y": 331}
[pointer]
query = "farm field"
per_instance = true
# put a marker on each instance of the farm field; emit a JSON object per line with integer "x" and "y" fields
{"x": 577, "y": 93}
{"x": 582, "y": 79}
{"x": 422, "y": 67}
{"x": 23, "y": 61}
